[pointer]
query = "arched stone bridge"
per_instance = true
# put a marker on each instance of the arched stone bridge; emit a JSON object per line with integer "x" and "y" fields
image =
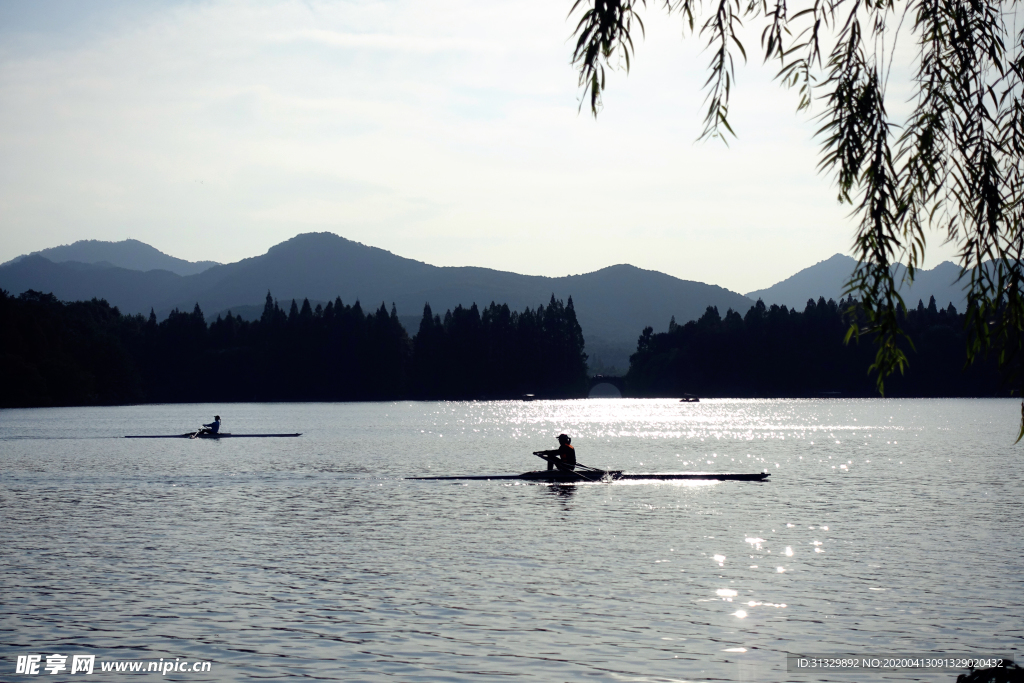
{"x": 617, "y": 382}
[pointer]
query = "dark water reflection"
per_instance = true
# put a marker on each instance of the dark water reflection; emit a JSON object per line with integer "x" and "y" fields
{"x": 561, "y": 491}
{"x": 888, "y": 527}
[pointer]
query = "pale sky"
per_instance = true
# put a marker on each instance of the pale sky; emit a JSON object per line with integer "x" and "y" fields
{"x": 445, "y": 131}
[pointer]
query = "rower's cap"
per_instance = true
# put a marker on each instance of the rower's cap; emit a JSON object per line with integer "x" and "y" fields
{"x": 560, "y": 437}
{"x": 216, "y": 417}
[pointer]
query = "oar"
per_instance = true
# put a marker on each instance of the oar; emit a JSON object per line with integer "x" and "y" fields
{"x": 551, "y": 459}
{"x": 593, "y": 470}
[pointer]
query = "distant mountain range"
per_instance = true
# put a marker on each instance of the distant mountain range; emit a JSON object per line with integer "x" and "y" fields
{"x": 130, "y": 254}
{"x": 613, "y": 305}
{"x": 828, "y": 279}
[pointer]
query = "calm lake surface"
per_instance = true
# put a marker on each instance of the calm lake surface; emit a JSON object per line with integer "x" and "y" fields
{"x": 888, "y": 527}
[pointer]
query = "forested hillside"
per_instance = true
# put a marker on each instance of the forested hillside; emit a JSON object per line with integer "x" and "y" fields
{"x": 88, "y": 353}
{"x": 778, "y": 352}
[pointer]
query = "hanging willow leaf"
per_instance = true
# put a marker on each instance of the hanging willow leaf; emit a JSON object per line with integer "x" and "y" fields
{"x": 955, "y": 168}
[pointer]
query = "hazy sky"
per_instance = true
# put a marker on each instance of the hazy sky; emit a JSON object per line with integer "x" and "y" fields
{"x": 446, "y": 131}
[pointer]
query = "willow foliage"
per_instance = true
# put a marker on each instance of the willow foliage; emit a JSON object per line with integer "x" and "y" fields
{"x": 953, "y": 165}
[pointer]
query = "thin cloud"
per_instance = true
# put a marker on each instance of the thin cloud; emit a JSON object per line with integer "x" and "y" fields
{"x": 387, "y": 42}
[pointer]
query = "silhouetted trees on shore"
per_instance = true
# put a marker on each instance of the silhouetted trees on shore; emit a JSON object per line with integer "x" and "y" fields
{"x": 499, "y": 353}
{"x": 54, "y": 354}
{"x": 777, "y": 352}
{"x": 87, "y": 353}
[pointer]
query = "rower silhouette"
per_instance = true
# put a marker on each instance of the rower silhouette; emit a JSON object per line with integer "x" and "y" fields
{"x": 212, "y": 428}
{"x": 563, "y": 457}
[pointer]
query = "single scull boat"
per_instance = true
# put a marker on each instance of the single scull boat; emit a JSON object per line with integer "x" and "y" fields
{"x": 560, "y": 477}
{"x": 193, "y": 435}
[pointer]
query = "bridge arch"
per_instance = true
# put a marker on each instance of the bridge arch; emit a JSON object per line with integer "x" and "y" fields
{"x": 617, "y": 382}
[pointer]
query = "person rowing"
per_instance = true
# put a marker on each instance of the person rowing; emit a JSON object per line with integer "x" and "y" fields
{"x": 563, "y": 457}
{"x": 212, "y": 428}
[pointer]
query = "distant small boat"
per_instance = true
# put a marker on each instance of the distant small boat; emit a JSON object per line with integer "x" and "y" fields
{"x": 193, "y": 435}
{"x": 529, "y": 397}
{"x": 600, "y": 476}
{"x": 689, "y": 398}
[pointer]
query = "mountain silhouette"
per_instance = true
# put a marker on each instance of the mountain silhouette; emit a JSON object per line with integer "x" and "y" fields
{"x": 828, "y": 279}
{"x": 613, "y": 304}
{"x": 129, "y": 254}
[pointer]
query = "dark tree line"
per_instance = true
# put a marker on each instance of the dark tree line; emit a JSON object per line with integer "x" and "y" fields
{"x": 86, "y": 353}
{"x": 500, "y": 353}
{"x": 54, "y": 354}
{"x": 777, "y": 352}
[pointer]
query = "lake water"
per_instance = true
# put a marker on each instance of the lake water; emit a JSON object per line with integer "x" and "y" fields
{"x": 888, "y": 527}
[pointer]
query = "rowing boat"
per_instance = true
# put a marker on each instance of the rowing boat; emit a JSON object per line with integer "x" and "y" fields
{"x": 560, "y": 477}
{"x": 193, "y": 435}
